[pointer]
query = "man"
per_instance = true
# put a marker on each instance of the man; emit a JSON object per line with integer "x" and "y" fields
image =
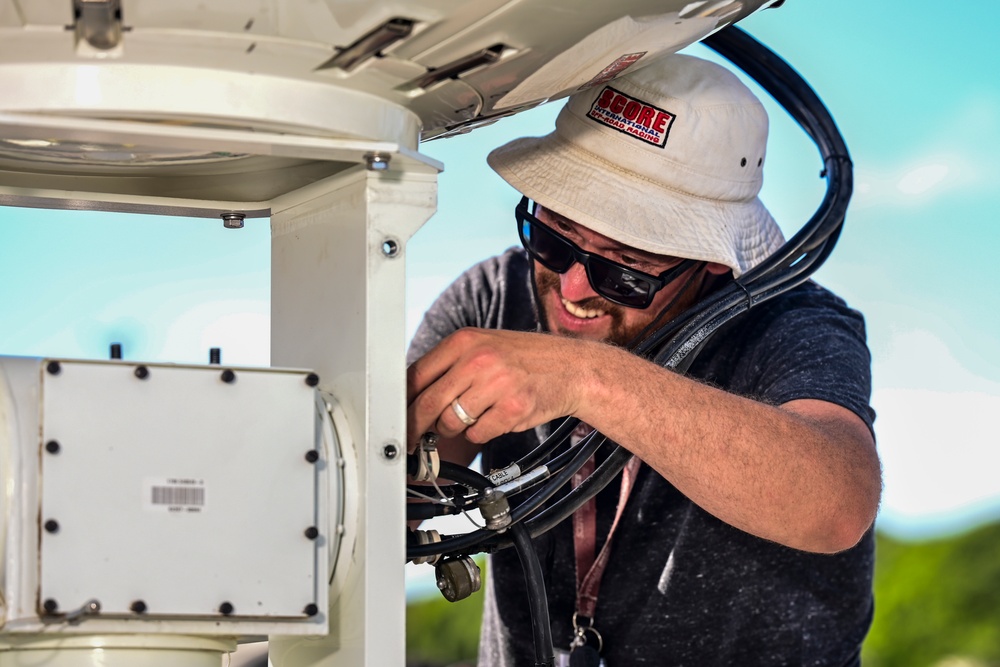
{"x": 745, "y": 538}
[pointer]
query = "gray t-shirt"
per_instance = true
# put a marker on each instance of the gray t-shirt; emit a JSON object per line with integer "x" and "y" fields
{"x": 682, "y": 588}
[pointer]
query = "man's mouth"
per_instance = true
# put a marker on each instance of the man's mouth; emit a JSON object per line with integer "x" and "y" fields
{"x": 582, "y": 313}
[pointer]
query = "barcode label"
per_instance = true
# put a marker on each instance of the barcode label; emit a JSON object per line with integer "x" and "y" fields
{"x": 174, "y": 494}
{"x": 178, "y": 495}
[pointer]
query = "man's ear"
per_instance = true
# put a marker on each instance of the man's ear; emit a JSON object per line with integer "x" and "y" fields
{"x": 716, "y": 269}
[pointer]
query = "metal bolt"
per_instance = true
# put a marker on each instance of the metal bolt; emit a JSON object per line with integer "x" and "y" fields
{"x": 50, "y": 606}
{"x": 228, "y": 376}
{"x": 215, "y": 355}
{"x": 116, "y": 350}
{"x": 233, "y": 220}
{"x": 139, "y": 607}
{"x": 52, "y": 447}
{"x": 312, "y": 532}
{"x": 390, "y": 451}
{"x": 312, "y": 456}
{"x": 311, "y": 609}
{"x": 377, "y": 161}
{"x": 226, "y": 608}
{"x": 141, "y": 372}
{"x": 52, "y": 526}
{"x": 312, "y": 379}
{"x": 390, "y": 248}
{"x": 53, "y": 368}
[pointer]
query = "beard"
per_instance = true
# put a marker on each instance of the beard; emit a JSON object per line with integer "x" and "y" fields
{"x": 547, "y": 281}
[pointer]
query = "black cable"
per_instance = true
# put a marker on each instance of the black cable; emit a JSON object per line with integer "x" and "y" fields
{"x": 464, "y": 475}
{"x": 468, "y": 543}
{"x": 538, "y": 601}
{"x": 423, "y": 511}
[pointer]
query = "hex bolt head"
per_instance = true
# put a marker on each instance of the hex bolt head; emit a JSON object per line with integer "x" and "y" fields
{"x": 226, "y": 608}
{"x": 53, "y": 368}
{"x": 228, "y": 376}
{"x": 141, "y": 372}
{"x": 390, "y": 247}
{"x": 52, "y": 447}
{"x": 390, "y": 451}
{"x": 50, "y": 606}
{"x": 311, "y": 609}
{"x": 312, "y": 532}
{"x": 377, "y": 161}
{"x": 138, "y": 607}
{"x": 312, "y": 379}
{"x": 232, "y": 220}
{"x": 312, "y": 456}
{"x": 52, "y": 526}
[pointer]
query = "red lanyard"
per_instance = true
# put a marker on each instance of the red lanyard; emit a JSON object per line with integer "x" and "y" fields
{"x": 590, "y": 569}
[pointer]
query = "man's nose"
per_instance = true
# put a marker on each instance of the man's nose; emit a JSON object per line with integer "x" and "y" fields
{"x": 574, "y": 284}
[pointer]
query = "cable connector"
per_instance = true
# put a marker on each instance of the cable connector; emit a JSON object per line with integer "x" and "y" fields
{"x": 495, "y": 509}
{"x": 458, "y": 578}
{"x": 423, "y": 537}
{"x": 428, "y": 459}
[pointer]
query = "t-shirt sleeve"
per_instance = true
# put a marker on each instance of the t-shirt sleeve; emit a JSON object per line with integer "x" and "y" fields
{"x": 813, "y": 347}
{"x": 493, "y": 294}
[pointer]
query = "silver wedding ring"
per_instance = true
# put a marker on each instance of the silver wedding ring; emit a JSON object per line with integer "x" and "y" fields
{"x": 462, "y": 415}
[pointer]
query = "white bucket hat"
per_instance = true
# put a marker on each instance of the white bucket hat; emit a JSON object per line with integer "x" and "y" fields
{"x": 668, "y": 159}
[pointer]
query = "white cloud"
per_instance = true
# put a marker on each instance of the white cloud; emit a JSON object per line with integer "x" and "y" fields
{"x": 917, "y": 181}
{"x": 936, "y": 434}
{"x": 941, "y": 455}
{"x": 922, "y": 179}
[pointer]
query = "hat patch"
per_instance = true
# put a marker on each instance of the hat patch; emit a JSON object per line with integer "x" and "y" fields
{"x": 632, "y": 116}
{"x": 613, "y": 70}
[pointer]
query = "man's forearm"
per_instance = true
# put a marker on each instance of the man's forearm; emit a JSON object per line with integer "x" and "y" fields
{"x": 804, "y": 474}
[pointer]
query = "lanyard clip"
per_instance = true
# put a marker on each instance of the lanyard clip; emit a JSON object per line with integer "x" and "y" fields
{"x": 582, "y": 625}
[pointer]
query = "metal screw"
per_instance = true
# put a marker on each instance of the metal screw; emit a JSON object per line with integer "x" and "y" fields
{"x": 52, "y": 447}
{"x": 53, "y": 368}
{"x": 228, "y": 376}
{"x": 50, "y": 606}
{"x": 377, "y": 161}
{"x": 312, "y": 532}
{"x": 312, "y": 379}
{"x": 312, "y": 456}
{"x": 215, "y": 355}
{"x": 390, "y": 451}
{"x": 139, "y": 607}
{"x": 116, "y": 350}
{"x": 311, "y": 609}
{"x": 52, "y": 526}
{"x": 226, "y": 608}
{"x": 233, "y": 220}
{"x": 141, "y": 372}
{"x": 390, "y": 248}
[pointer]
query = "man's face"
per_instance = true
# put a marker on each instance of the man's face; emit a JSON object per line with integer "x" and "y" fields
{"x": 569, "y": 305}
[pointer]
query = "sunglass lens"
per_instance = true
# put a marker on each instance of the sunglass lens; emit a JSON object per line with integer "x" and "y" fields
{"x": 548, "y": 248}
{"x": 617, "y": 285}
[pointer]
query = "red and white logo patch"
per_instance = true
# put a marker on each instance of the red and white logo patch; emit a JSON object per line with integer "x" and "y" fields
{"x": 613, "y": 70}
{"x": 632, "y": 116}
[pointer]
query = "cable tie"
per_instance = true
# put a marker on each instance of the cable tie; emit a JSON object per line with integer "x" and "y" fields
{"x": 747, "y": 292}
{"x": 836, "y": 156}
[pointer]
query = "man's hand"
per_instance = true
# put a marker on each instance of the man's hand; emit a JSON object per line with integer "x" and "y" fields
{"x": 508, "y": 381}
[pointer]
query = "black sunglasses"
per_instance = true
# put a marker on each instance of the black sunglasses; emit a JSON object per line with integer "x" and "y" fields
{"x": 613, "y": 281}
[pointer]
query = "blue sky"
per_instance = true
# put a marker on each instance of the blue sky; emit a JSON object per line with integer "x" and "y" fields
{"x": 913, "y": 87}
